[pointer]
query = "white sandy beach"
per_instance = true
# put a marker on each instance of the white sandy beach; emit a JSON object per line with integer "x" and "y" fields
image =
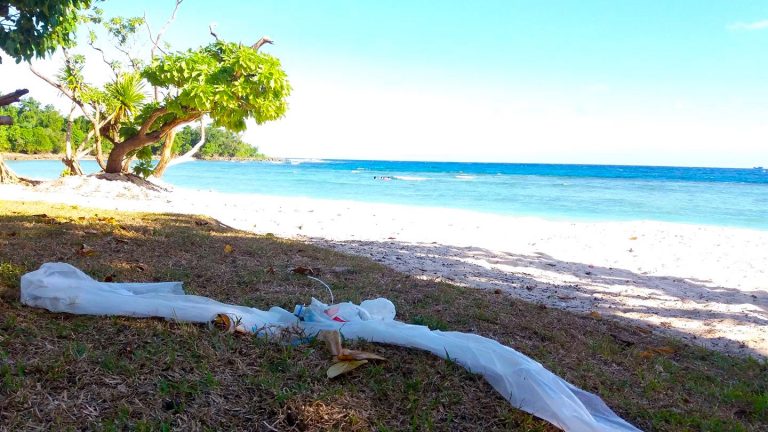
{"x": 704, "y": 284}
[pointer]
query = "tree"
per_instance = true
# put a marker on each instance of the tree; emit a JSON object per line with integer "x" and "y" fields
{"x": 71, "y": 78}
{"x": 34, "y": 28}
{"x": 226, "y": 82}
{"x": 229, "y": 82}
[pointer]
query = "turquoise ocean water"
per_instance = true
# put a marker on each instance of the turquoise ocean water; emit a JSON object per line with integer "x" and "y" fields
{"x": 713, "y": 196}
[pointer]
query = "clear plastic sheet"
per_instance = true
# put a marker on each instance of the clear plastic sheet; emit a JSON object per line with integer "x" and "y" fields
{"x": 526, "y": 384}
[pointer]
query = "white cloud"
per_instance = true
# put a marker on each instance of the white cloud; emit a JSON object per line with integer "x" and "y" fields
{"x": 757, "y": 25}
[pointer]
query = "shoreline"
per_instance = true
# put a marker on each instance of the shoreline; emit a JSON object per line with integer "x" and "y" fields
{"x": 704, "y": 284}
{"x": 59, "y": 156}
{"x": 39, "y": 156}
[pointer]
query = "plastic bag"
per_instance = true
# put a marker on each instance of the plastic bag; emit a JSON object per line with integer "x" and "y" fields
{"x": 61, "y": 287}
{"x": 526, "y": 384}
{"x": 376, "y": 309}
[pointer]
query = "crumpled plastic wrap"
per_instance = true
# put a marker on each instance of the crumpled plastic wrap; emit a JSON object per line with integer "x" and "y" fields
{"x": 526, "y": 384}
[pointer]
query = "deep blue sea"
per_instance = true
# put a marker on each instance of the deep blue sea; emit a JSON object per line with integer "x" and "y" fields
{"x": 714, "y": 196}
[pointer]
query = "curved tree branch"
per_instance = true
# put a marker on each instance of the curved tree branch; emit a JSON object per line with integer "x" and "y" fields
{"x": 261, "y": 42}
{"x": 110, "y": 64}
{"x": 210, "y": 29}
{"x": 186, "y": 157}
{"x": 156, "y": 40}
{"x": 151, "y": 120}
{"x": 65, "y": 91}
{"x": 10, "y": 98}
{"x": 84, "y": 152}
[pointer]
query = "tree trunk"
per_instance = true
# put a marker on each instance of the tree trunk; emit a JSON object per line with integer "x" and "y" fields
{"x": 70, "y": 158}
{"x": 96, "y": 125}
{"x": 115, "y": 160}
{"x": 68, "y": 135}
{"x": 165, "y": 155}
{"x": 73, "y": 165}
{"x": 116, "y": 156}
{"x": 6, "y": 120}
{"x": 6, "y": 175}
{"x": 100, "y": 154}
{"x": 116, "y": 163}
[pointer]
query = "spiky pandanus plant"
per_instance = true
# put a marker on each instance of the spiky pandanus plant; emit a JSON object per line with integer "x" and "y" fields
{"x": 125, "y": 97}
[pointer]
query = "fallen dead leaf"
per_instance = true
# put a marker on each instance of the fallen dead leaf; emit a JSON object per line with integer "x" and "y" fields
{"x": 86, "y": 250}
{"x": 343, "y": 367}
{"x": 228, "y": 249}
{"x": 347, "y": 354}
{"x": 332, "y": 339}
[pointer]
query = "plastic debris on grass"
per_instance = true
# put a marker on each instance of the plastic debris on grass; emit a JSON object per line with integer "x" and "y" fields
{"x": 526, "y": 384}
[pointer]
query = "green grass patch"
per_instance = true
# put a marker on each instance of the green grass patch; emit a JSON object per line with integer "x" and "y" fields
{"x": 117, "y": 373}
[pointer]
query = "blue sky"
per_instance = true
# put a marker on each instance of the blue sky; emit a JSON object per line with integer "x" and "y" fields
{"x": 630, "y": 82}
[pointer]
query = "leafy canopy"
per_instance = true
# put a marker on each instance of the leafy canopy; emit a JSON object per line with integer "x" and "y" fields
{"x": 229, "y": 81}
{"x": 36, "y": 28}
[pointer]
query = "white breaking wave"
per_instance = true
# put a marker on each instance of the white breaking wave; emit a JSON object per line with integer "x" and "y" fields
{"x": 301, "y": 161}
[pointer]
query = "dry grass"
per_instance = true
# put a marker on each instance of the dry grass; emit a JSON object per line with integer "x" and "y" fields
{"x": 73, "y": 372}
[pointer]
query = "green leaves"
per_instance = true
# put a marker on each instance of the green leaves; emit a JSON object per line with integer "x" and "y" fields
{"x": 71, "y": 75}
{"x": 36, "y": 28}
{"x": 122, "y": 29}
{"x": 36, "y": 128}
{"x": 230, "y": 81}
{"x": 125, "y": 95}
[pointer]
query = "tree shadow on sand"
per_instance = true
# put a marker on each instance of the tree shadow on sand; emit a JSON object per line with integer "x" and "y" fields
{"x": 721, "y": 318}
